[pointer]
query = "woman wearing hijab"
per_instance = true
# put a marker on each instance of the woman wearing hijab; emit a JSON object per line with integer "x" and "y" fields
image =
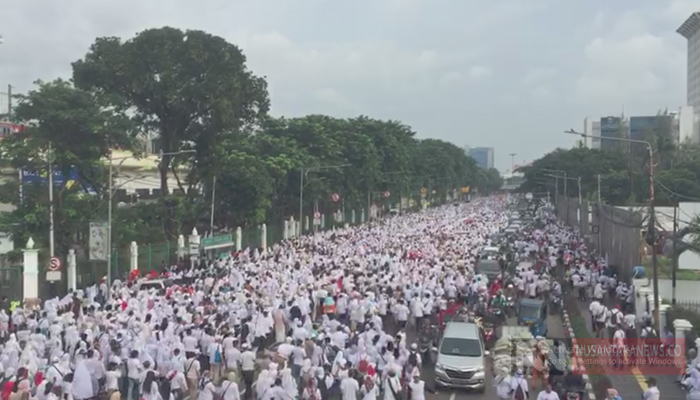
{"x": 82, "y": 382}
{"x": 149, "y": 387}
{"x": 263, "y": 383}
{"x": 288, "y": 383}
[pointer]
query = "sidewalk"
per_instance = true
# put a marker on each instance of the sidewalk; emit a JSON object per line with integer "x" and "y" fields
{"x": 634, "y": 383}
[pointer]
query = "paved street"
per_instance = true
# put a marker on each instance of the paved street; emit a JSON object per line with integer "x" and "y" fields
{"x": 555, "y": 327}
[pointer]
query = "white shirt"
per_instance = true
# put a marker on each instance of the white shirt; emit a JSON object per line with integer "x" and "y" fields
{"x": 248, "y": 361}
{"x": 651, "y": 394}
{"x": 547, "y": 396}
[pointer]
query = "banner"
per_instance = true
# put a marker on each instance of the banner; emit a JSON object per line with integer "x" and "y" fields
{"x": 99, "y": 246}
{"x": 59, "y": 180}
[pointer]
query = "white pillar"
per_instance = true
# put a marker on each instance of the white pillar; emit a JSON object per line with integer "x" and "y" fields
{"x": 291, "y": 228}
{"x": 681, "y": 328}
{"x": 72, "y": 271}
{"x": 239, "y": 239}
{"x": 307, "y": 226}
{"x": 263, "y": 237}
{"x": 640, "y": 306}
{"x": 194, "y": 242}
{"x": 180, "y": 247}
{"x": 352, "y": 217}
{"x": 663, "y": 313}
{"x": 362, "y": 215}
{"x": 31, "y": 271}
{"x": 134, "y": 256}
{"x": 298, "y": 228}
{"x": 323, "y": 221}
{"x": 285, "y": 230}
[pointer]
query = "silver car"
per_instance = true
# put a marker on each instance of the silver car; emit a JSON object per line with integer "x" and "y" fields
{"x": 461, "y": 358}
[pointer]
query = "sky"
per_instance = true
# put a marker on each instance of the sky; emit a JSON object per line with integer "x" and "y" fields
{"x": 507, "y": 74}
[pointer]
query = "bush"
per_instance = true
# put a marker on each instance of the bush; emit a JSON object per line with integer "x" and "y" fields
{"x": 678, "y": 312}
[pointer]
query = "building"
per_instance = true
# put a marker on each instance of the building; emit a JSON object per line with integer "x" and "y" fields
{"x": 684, "y": 126}
{"x": 483, "y": 156}
{"x": 591, "y": 128}
{"x": 690, "y": 29}
{"x": 647, "y": 127}
{"x": 610, "y": 127}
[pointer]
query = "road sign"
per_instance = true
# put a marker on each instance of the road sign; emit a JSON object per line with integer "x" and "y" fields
{"x": 317, "y": 215}
{"x": 218, "y": 242}
{"x": 54, "y": 271}
{"x": 335, "y": 197}
{"x": 387, "y": 194}
{"x": 98, "y": 241}
{"x": 434, "y": 191}
{"x": 54, "y": 264}
{"x": 423, "y": 190}
{"x": 465, "y": 189}
{"x": 528, "y": 196}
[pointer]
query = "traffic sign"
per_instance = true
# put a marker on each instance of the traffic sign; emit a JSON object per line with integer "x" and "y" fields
{"x": 387, "y": 194}
{"x": 335, "y": 197}
{"x": 54, "y": 264}
{"x": 317, "y": 215}
{"x": 423, "y": 190}
{"x": 54, "y": 271}
{"x": 434, "y": 191}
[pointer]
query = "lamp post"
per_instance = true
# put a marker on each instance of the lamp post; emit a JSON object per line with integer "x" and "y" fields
{"x": 651, "y": 239}
{"x": 110, "y": 197}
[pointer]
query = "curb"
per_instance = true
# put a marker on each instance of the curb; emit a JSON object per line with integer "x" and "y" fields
{"x": 579, "y": 361}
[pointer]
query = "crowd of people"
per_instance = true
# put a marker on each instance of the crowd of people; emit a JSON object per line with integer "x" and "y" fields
{"x": 323, "y": 316}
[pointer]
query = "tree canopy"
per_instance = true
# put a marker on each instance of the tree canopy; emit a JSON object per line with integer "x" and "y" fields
{"x": 193, "y": 93}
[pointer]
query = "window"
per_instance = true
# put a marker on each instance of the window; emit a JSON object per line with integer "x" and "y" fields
{"x": 530, "y": 312}
{"x": 460, "y": 347}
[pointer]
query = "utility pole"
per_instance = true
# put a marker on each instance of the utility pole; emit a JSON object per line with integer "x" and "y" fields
{"x": 213, "y": 205}
{"x": 599, "y": 195}
{"x": 51, "y": 210}
{"x": 512, "y": 163}
{"x": 674, "y": 257}
{"x": 9, "y": 102}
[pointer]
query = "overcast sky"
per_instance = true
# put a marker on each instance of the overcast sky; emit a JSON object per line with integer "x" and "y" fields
{"x": 508, "y": 74}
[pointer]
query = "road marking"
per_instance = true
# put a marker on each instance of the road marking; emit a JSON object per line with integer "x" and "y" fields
{"x": 453, "y": 396}
{"x": 641, "y": 379}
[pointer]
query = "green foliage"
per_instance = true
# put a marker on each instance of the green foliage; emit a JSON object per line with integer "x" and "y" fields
{"x": 624, "y": 177}
{"x": 193, "y": 91}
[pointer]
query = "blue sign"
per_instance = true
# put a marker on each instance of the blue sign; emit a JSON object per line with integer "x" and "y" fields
{"x": 59, "y": 178}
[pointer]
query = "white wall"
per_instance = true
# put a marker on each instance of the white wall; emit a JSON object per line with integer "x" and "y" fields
{"x": 687, "y": 125}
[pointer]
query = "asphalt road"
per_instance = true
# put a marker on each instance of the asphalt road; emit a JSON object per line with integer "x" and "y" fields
{"x": 555, "y": 327}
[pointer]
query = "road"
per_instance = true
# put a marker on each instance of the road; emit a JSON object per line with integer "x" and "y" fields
{"x": 555, "y": 327}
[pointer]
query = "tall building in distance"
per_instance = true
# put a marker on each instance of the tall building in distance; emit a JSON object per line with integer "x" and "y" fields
{"x": 610, "y": 127}
{"x": 591, "y": 128}
{"x": 691, "y": 31}
{"x": 483, "y": 156}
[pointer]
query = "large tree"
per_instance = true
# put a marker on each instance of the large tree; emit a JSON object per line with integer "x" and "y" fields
{"x": 190, "y": 89}
{"x": 69, "y": 130}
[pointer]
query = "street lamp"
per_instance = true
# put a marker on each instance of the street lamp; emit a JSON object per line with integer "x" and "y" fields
{"x": 111, "y": 191}
{"x": 652, "y": 214}
{"x": 304, "y": 172}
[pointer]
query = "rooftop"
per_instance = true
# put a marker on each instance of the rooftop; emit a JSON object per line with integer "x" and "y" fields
{"x": 691, "y": 26}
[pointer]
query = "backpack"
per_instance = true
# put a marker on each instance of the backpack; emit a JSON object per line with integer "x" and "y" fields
{"x": 217, "y": 355}
{"x": 519, "y": 393}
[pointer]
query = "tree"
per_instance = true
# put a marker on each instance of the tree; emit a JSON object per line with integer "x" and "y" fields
{"x": 68, "y": 129}
{"x": 190, "y": 89}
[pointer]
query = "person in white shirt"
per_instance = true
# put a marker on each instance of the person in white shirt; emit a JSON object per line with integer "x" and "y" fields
{"x": 192, "y": 369}
{"x": 653, "y": 392}
{"x": 548, "y": 394}
{"x": 229, "y": 388}
{"x": 519, "y": 385}
{"x": 503, "y": 385}
{"x": 178, "y": 384}
{"x": 248, "y": 367}
{"x": 417, "y": 388}
{"x": 349, "y": 388}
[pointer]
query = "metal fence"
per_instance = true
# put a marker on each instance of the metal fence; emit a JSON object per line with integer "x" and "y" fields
{"x": 613, "y": 232}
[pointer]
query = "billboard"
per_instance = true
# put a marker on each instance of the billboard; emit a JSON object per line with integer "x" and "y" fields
{"x": 59, "y": 178}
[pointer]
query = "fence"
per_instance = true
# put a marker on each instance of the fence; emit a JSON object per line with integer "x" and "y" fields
{"x": 154, "y": 256}
{"x": 613, "y": 232}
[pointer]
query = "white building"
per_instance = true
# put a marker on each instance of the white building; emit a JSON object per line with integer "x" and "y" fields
{"x": 691, "y": 31}
{"x": 591, "y": 128}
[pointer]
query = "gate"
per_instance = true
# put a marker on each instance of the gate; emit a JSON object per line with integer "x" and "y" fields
{"x": 11, "y": 283}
